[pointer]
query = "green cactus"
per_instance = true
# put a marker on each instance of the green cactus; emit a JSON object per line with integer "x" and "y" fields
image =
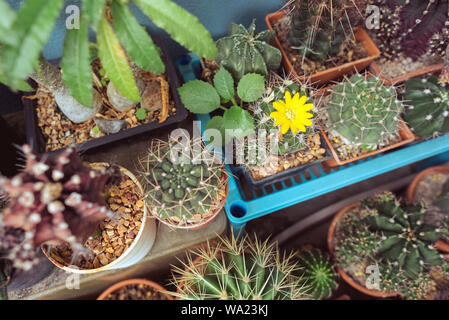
{"x": 239, "y": 270}
{"x": 181, "y": 189}
{"x": 406, "y": 240}
{"x": 318, "y": 272}
{"x": 243, "y": 51}
{"x": 364, "y": 111}
{"x": 428, "y": 106}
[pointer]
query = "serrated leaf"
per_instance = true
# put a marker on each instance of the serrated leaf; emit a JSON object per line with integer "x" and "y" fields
{"x": 136, "y": 40}
{"x": 77, "y": 72}
{"x": 217, "y": 123}
{"x": 224, "y": 84}
{"x": 239, "y": 121}
{"x": 181, "y": 25}
{"x": 251, "y": 87}
{"x": 93, "y": 9}
{"x": 7, "y": 16}
{"x": 114, "y": 61}
{"x": 32, "y": 27}
{"x": 199, "y": 97}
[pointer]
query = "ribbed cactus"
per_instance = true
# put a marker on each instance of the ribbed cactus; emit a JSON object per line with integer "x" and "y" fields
{"x": 55, "y": 198}
{"x": 364, "y": 111}
{"x": 182, "y": 189}
{"x": 406, "y": 239}
{"x": 427, "y": 110}
{"x": 245, "y": 51}
{"x": 239, "y": 270}
{"x": 318, "y": 273}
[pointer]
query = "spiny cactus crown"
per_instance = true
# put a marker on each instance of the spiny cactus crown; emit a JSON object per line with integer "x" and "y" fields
{"x": 243, "y": 51}
{"x": 318, "y": 272}
{"x": 55, "y": 198}
{"x": 239, "y": 270}
{"x": 427, "y": 110}
{"x": 181, "y": 187}
{"x": 364, "y": 111}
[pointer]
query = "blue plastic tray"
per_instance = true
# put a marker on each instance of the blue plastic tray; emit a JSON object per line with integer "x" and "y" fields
{"x": 245, "y": 203}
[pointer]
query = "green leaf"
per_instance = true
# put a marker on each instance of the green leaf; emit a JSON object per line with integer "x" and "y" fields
{"x": 93, "y": 9}
{"x": 251, "y": 87}
{"x": 239, "y": 121}
{"x": 32, "y": 27}
{"x": 113, "y": 58}
{"x": 77, "y": 72}
{"x": 181, "y": 25}
{"x": 217, "y": 123}
{"x": 136, "y": 40}
{"x": 141, "y": 114}
{"x": 199, "y": 97}
{"x": 224, "y": 84}
{"x": 7, "y": 16}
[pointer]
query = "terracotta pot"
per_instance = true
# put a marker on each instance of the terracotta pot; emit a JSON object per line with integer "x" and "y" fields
{"x": 411, "y": 193}
{"x": 137, "y": 250}
{"x": 125, "y": 283}
{"x": 375, "y": 69}
{"x": 323, "y": 77}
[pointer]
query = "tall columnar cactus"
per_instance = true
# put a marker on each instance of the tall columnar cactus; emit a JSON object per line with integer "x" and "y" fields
{"x": 364, "y": 111}
{"x": 318, "y": 273}
{"x": 55, "y": 198}
{"x": 320, "y": 27}
{"x": 245, "y": 51}
{"x": 239, "y": 270}
{"x": 179, "y": 186}
{"x": 406, "y": 240}
{"x": 428, "y": 106}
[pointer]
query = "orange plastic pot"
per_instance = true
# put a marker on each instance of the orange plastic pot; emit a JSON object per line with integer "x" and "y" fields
{"x": 125, "y": 283}
{"x": 375, "y": 69}
{"x": 323, "y": 77}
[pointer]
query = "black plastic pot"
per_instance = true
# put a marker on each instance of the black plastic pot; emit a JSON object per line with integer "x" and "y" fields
{"x": 36, "y": 139}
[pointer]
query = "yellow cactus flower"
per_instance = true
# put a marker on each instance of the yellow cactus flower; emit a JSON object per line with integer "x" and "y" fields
{"x": 292, "y": 113}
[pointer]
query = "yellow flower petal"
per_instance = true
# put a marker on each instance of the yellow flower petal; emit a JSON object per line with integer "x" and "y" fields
{"x": 302, "y": 100}
{"x": 308, "y": 107}
{"x": 302, "y": 128}
{"x": 284, "y": 127}
{"x": 279, "y": 105}
{"x": 308, "y": 115}
{"x": 307, "y": 122}
{"x": 288, "y": 97}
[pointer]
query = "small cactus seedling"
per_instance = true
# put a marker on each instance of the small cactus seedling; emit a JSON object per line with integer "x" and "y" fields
{"x": 428, "y": 106}
{"x": 318, "y": 273}
{"x": 245, "y": 51}
{"x": 364, "y": 112}
{"x": 239, "y": 270}
{"x": 181, "y": 188}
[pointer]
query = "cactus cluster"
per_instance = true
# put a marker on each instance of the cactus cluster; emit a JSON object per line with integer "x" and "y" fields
{"x": 412, "y": 27}
{"x": 363, "y": 111}
{"x": 318, "y": 273}
{"x": 239, "y": 270}
{"x": 244, "y": 51}
{"x": 180, "y": 186}
{"x": 427, "y": 110}
{"x": 55, "y": 198}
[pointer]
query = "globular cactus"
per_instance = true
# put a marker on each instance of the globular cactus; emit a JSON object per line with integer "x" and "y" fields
{"x": 239, "y": 270}
{"x": 406, "y": 240}
{"x": 183, "y": 190}
{"x": 55, "y": 198}
{"x": 318, "y": 273}
{"x": 245, "y": 51}
{"x": 364, "y": 111}
{"x": 427, "y": 110}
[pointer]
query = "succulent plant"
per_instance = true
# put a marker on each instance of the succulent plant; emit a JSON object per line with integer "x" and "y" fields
{"x": 317, "y": 271}
{"x": 55, "y": 198}
{"x": 183, "y": 189}
{"x": 239, "y": 270}
{"x": 245, "y": 51}
{"x": 427, "y": 110}
{"x": 364, "y": 111}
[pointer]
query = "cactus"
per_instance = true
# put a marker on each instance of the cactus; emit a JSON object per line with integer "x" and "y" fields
{"x": 182, "y": 190}
{"x": 243, "y": 51}
{"x": 55, "y": 198}
{"x": 318, "y": 272}
{"x": 239, "y": 270}
{"x": 364, "y": 111}
{"x": 427, "y": 112}
{"x": 444, "y": 76}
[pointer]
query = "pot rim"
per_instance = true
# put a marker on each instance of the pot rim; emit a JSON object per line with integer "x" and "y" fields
{"x": 124, "y": 283}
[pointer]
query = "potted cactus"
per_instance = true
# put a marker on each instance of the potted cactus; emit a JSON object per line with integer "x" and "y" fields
{"x": 363, "y": 118}
{"x": 320, "y": 40}
{"x": 135, "y": 289}
{"x": 390, "y": 238}
{"x": 412, "y": 37}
